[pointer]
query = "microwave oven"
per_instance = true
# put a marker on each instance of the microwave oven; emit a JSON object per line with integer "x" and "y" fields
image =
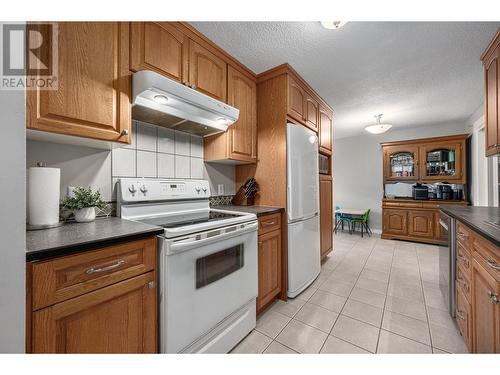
{"x": 324, "y": 164}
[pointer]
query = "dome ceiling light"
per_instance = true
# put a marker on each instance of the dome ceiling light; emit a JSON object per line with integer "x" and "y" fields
{"x": 332, "y": 25}
{"x": 378, "y": 128}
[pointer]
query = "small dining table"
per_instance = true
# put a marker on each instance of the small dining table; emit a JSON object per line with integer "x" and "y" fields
{"x": 352, "y": 213}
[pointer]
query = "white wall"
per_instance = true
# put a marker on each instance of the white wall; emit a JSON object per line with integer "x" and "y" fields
{"x": 12, "y": 222}
{"x": 154, "y": 152}
{"x": 358, "y": 162}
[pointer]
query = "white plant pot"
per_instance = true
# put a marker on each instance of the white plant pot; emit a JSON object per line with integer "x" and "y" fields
{"x": 85, "y": 215}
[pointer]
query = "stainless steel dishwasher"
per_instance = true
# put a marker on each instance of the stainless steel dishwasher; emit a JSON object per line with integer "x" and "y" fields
{"x": 447, "y": 258}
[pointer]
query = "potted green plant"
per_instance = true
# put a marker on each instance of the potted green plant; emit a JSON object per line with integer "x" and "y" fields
{"x": 82, "y": 203}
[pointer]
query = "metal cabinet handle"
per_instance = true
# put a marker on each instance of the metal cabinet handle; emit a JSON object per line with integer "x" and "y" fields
{"x": 92, "y": 270}
{"x": 268, "y": 223}
{"x": 124, "y": 132}
{"x": 493, "y": 297}
{"x": 151, "y": 285}
{"x": 462, "y": 236}
{"x": 493, "y": 264}
{"x": 460, "y": 314}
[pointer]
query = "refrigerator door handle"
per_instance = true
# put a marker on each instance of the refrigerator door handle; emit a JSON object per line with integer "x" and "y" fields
{"x": 302, "y": 218}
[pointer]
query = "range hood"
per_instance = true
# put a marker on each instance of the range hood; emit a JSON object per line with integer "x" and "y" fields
{"x": 164, "y": 102}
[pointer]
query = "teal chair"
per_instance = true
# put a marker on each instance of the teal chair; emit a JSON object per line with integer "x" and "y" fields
{"x": 340, "y": 220}
{"x": 364, "y": 223}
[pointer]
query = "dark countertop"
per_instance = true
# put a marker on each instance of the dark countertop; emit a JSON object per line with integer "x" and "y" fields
{"x": 77, "y": 237}
{"x": 257, "y": 210}
{"x": 475, "y": 217}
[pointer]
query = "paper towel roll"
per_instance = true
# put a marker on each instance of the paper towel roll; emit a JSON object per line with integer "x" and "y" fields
{"x": 43, "y": 195}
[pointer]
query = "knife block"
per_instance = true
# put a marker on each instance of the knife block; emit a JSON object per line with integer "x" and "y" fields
{"x": 240, "y": 200}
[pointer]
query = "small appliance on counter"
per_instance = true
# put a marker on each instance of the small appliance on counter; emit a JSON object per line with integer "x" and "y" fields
{"x": 43, "y": 197}
{"x": 246, "y": 193}
{"x": 444, "y": 192}
{"x": 420, "y": 192}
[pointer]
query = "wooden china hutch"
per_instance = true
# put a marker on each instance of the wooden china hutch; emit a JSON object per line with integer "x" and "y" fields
{"x": 428, "y": 161}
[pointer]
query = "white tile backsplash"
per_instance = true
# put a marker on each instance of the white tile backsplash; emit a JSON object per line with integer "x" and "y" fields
{"x": 182, "y": 166}
{"x": 166, "y": 165}
{"x": 196, "y": 146}
{"x": 182, "y": 143}
{"x": 146, "y": 137}
{"x": 146, "y": 164}
{"x": 123, "y": 161}
{"x": 166, "y": 141}
{"x": 196, "y": 168}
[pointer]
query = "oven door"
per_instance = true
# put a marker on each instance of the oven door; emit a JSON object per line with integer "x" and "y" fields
{"x": 203, "y": 280}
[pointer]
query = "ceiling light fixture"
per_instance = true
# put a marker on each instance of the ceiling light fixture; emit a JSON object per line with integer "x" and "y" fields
{"x": 332, "y": 25}
{"x": 378, "y": 128}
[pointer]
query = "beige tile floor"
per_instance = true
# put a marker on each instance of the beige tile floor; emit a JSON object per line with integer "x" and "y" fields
{"x": 372, "y": 296}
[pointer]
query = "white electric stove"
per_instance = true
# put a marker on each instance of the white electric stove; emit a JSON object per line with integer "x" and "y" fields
{"x": 207, "y": 263}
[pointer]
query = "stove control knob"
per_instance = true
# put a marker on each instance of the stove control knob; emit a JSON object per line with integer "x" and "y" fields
{"x": 198, "y": 189}
{"x": 132, "y": 189}
{"x": 144, "y": 189}
{"x": 205, "y": 189}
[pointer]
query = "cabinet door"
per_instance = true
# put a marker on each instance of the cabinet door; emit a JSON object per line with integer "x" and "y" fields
{"x": 492, "y": 101}
{"x": 120, "y": 318}
{"x": 421, "y": 224}
{"x": 486, "y": 312}
{"x": 395, "y": 221}
{"x": 463, "y": 317}
{"x": 242, "y": 94}
{"x": 269, "y": 267}
{"x": 93, "y": 95}
{"x": 296, "y": 100}
{"x": 325, "y": 214}
{"x": 401, "y": 163}
{"x": 207, "y": 72}
{"x": 442, "y": 161}
{"x": 161, "y": 47}
{"x": 312, "y": 112}
{"x": 325, "y": 130}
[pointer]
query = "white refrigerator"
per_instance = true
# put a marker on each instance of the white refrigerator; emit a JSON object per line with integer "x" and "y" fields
{"x": 304, "y": 263}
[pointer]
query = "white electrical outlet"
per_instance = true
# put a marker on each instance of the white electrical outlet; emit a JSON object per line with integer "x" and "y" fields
{"x": 220, "y": 189}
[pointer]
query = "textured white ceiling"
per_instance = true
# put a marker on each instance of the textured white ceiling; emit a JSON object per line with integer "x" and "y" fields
{"x": 416, "y": 74}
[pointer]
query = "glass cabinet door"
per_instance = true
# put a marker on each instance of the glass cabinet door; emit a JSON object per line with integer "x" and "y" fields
{"x": 401, "y": 163}
{"x": 441, "y": 162}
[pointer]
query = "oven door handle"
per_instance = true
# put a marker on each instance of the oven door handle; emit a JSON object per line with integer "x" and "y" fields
{"x": 183, "y": 245}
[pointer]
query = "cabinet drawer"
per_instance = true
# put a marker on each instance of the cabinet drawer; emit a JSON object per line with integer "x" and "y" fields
{"x": 463, "y": 259}
{"x": 463, "y": 282}
{"x": 463, "y": 317}
{"x": 464, "y": 236}
{"x": 269, "y": 223}
{"x": 487, "y": 255}
{"x": 66, "y": 277}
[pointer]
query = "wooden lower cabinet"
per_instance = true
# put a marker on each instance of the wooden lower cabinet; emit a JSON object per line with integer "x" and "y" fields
{"x": 486, "y": 312}
{"x": 421, "y": 224}
{"x": 269, "y": 260}
{"x": 395, "y": 221}
{"x": 326, "y": 214}
{"x": 464, "y": 316}
{"x": 115, "y": 319}
{"x": 102, "y": 301}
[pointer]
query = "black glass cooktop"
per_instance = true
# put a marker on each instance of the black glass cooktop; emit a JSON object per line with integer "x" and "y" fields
{"x": 175, "y": 221}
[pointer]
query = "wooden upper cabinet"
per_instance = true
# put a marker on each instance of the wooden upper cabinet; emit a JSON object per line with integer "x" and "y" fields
{"x": 92, "y": 99}
{"x": 312, "y": 112}
{"x": 207, "y": 72}
{"x": 325, "y": 130}
{"x": 326, "y": 214}
{"x": 490, "y": 60}
{"x": 401, "y": 163}
{"x": 442, "y": 161}
{"x": 120, "y": 318}
{"x": 161, "y": 47}
{"x": 486, "y": 312}
{"x": 296, "y": 100}
{"x": 242, "y": 94}
{"x": 421, "y": 223}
